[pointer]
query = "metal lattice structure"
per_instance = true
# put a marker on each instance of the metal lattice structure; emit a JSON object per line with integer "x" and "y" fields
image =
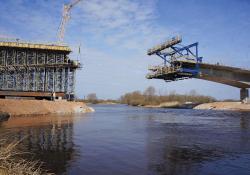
{"x": 173, "y": 53}
{"x": 183, "y": 62}
{"x": 65, "y": 18}
{"x": 37, "y": 70}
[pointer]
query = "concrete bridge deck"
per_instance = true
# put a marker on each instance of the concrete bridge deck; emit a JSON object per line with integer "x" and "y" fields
{"x": 183, "y": 69}
{"x": 183, "y": 62}
{"x": 232, "y": 76}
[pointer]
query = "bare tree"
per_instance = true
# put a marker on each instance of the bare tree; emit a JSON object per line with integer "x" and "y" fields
{"x": 92, "y": 98}
{"x": 193, "y": 93}
{"x": 150, "y": 91}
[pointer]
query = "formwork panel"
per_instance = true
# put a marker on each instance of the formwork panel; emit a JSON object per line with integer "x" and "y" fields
{"x": 71, "y": 80}
{"x": 50, "y": 58}
{"x": 10, "y": 60}
{"x": 31, "y": 86}
{"x": 20, "y": 79}
{"x": 41, "y": 58}
{"x": 66, "y": 79}
{"x": 21, "y": 57}
{"x": 59, "y": 80}
{"x": 2, "y": 57}
{"x": 2, "y": 77}
{"x": 59, "y": 58}
{"x": 10, "y": 80}
{"x": 35, "y": 68}
{"x": 50, "y": 80}
{"x": 40, "y": 79}
{"x": 31, "y": 58}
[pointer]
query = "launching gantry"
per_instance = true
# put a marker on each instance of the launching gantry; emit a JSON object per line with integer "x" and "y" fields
{"x": 182, "y": 62}
{"x": 42, "y": 71}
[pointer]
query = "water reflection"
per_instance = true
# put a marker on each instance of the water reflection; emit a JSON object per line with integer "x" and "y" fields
{"x": 244, "y": 121}
{"x": 186, "y": 146}
{"x": 183, "y": 159}
{"x": 126, "y": 140}
{"x": 48, "y": 139}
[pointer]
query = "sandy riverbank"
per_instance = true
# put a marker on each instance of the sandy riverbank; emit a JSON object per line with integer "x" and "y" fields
{"x": 41, "y": 107}
{"x": 174, "y": 104}
{"x": 233, "y": 106}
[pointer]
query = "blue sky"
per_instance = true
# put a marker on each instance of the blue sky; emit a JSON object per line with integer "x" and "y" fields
{"x": 115, "y": 35}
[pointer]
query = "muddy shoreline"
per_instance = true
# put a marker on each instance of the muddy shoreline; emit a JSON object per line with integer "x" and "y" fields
{"x": 175, "y": 104}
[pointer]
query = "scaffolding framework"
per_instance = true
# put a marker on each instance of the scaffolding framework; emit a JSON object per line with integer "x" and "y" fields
{"x": 37, "y": 68}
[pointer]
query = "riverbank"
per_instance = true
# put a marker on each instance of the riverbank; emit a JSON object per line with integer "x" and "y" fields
{"x": 172, "y": 104}
{"x": 232, "y": 106}
{"x": 15, "y": 107}
{"x": 191, "y": 137}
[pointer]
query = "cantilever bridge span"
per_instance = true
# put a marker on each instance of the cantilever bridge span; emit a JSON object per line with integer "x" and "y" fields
{"x": 183, "y": 63}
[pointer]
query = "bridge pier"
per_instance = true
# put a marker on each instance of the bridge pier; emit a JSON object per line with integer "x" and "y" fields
{"x": 244, "y": 94}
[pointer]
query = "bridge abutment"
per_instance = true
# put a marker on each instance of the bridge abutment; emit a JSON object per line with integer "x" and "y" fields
{"x": 244, "y": 94}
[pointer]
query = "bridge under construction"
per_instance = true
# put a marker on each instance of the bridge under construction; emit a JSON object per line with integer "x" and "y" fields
{"x": 183, "y": 62}
{"x": 36, "y": 70}
{"x": 41, "y": 71}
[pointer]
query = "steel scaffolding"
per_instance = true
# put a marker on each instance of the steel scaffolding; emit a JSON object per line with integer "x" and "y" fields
{"x": 37, "y": 68}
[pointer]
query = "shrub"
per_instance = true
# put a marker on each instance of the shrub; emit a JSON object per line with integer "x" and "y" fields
{"x": 149, "y": 97}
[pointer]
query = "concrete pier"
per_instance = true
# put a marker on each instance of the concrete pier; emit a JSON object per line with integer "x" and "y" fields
{"x": 244, "y": 94}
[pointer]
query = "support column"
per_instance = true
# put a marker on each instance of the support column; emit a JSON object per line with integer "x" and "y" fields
{"x": 244, "y": 94}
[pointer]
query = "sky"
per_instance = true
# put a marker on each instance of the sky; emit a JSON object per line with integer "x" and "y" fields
{"x": 115, "y": 34}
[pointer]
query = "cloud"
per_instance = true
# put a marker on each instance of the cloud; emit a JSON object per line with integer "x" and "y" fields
{"x": 115, "y": 35}
{"x": 113, "y": 14}
{"x": 126, "y": 24}
{"x": 129, "y": 24}
{"x": 32, "y": 21}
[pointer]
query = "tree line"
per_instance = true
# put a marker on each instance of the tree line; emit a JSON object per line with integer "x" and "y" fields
{"x": 150, "y": 97}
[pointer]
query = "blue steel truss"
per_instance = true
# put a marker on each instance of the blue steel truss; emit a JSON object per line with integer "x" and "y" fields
{"x": 178, "y": 52}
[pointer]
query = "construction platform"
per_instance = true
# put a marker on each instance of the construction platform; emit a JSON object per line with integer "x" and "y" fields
{"x": 182, "y": 62}
{"x": 36, "y": 70}
{"x": 183, "y": 69}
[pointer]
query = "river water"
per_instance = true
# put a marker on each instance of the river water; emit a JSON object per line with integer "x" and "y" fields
{"x": 117, "y": 139}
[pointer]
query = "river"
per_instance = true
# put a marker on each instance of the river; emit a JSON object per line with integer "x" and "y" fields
{"x": 118, "y": 139}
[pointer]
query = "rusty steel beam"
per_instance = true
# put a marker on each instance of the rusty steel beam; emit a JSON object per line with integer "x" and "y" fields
{"x": 31, "y": 94}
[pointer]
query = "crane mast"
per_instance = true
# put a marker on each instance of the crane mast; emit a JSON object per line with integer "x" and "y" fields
{"x": 65, "y": 18}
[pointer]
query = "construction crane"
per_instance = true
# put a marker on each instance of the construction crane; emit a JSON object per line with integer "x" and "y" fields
{"x": 65, "y": 18}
